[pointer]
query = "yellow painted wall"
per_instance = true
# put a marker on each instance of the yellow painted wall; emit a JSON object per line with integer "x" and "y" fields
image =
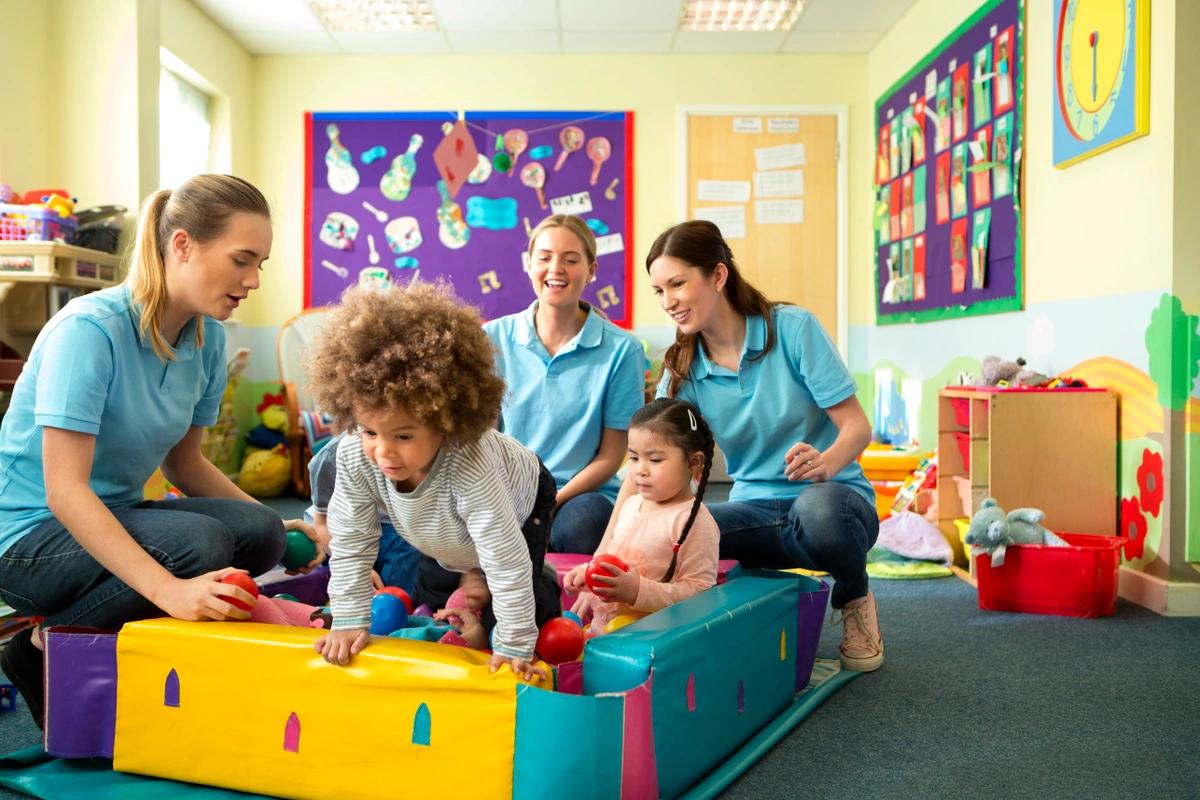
{"x": 26, "y": 110}
{"x": 1101, "y": 227}
{"x": 651, "y": 86}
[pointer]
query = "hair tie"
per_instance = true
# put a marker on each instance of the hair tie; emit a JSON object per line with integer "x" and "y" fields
{"x": 692, "y": 419}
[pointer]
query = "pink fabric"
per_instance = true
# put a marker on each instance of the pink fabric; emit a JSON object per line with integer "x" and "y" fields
{"x": 270, "y": 611}
{"x": 639, "y": 771}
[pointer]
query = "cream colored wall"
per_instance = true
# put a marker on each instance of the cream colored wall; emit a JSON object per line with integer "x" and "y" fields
{"x": 24, "y": 41}
{"x": 227, "y": 68}
{"x": 651, "y": 86}
{"x": 1101, "y": 227}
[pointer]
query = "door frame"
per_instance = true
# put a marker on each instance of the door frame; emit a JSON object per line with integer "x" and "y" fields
{"x": 841, "y": 335}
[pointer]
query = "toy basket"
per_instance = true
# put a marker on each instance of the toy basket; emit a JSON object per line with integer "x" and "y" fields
{"x": 1075, "y": 581}
{"x": 30, "y": 223}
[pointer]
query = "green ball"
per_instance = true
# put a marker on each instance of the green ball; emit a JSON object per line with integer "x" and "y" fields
{"x": 299, "y": 552}
{"x": 286, "y": 596}
{"x": 501, "y": 162}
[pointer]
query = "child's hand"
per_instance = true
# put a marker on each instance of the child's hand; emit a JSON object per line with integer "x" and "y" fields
{"x": 584, "y": 605}
{"x": 573, "y": 581}
{"x": 623, "y": 584}
{"x": 337, "y": 647}
{"x": 519, "y": 666}
{"x": 466, "y": 623}
{"x": 475, "y": 588}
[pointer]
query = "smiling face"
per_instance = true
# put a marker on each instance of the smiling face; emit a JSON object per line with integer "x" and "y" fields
{"x": 558, "y": 267}
{"x": 660, "y": 470}
{"x": 402, "y": 448}
{"x": 213, "y": 277}
{"x": 688, "y": 296}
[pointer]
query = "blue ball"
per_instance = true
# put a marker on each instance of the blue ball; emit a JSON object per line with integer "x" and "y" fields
{"x": 387, "y": 614}
{"x": 571, "y": 615}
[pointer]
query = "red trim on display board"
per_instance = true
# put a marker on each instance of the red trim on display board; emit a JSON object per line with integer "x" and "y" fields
{"x": 307, "y": 208}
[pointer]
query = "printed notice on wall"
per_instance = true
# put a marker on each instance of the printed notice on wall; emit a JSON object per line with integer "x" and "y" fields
{"x": 781, "y": 183}
{"x": 747, "y": 124}
{"x": 779, "y": 157}
{"x": 723, "y": 191}
{"x": 783, "y": 125}
{"x": 730, "y": 219}
{"x": 777, "y": 212}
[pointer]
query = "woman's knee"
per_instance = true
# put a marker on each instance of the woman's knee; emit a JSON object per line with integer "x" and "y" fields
{"x": 259, "y": 537}
{"x": 821, "y": 515}
{"x": 201, "y": 545}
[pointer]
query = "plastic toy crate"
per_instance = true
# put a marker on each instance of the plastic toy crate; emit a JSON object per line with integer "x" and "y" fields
{"x": 20, "y": 223}
{"x": 1075, "y": 581}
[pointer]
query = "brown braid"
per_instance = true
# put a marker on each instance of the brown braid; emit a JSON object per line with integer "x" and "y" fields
{"x": 668, "y": 418}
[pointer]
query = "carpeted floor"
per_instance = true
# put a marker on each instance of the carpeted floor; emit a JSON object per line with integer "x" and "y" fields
{"x": 982, "y": 704}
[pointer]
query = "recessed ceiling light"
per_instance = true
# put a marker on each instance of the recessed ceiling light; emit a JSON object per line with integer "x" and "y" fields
{"x": 374, "y": 16}
{"x": 740, "y": 15}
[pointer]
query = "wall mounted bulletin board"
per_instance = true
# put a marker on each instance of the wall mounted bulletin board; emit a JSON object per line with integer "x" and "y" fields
{"x": 771, "y": 179}
{"x": 396, "y": 197}
{"x": 948, "y": 223}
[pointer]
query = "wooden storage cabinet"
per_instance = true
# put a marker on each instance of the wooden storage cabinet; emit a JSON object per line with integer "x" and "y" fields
{"x": 1055, "y": 450}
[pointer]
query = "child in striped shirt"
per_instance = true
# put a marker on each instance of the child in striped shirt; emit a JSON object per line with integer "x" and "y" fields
{"x": 410, "y": 374}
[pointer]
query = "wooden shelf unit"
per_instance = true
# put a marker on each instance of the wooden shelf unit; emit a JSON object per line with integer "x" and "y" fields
{"x": 1053, "y": 450}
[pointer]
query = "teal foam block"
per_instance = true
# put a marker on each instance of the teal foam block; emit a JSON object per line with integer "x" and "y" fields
{"x": 567, "y": 745}
{"x": 718, "y": 672}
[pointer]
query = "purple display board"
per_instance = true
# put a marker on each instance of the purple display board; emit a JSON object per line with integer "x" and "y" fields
{"x": 947, "y": 228}
{"x": 378, "y": 211}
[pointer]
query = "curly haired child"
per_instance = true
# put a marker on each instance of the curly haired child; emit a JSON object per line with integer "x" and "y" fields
{"x": 664, "y": 533}
{"x": 409, "y": 373}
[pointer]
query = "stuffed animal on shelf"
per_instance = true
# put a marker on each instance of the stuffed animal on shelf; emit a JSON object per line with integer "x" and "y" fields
{"x": 272, "y": 428}
{"x": 267, "y": 466}
{"x": 991, "y": 530}
{"x": 996, "y": 372}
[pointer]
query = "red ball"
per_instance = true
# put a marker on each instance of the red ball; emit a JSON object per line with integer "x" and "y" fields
{"x": 560, "y": 640}
{"x": 397, "y": 592}
{"x": 594, "y": 570}
{"x": 242, "y": 581}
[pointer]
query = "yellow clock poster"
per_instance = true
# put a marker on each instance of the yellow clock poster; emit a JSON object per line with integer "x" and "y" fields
{"x": 1101, "y": 76}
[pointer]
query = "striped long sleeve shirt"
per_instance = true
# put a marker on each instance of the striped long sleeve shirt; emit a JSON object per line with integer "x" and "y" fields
{"x": 467, "y": 513}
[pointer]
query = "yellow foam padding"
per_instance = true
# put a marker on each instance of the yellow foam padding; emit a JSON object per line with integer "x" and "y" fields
{"x": 812, "y": 573}
{"x": 240, "y": 682}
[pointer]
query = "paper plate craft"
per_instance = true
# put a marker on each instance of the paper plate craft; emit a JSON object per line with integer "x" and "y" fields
{"x": 598, "y": 150}
{"x": 571, "y": 139}
{"x": 339, "y": 231}
{"x": 403, "y": 235}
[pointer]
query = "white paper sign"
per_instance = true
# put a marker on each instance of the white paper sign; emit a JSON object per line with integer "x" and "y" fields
{"x": 609, "y": 244}
{"x": 723, "y": 191}
{"x": 775, "y": 212}
{"x": 730, "y": 219}
{"x": 783, "y": 183}
{"x": 783, "y": 125}
{"x": 578, "y": 203}
{"x": 784, "y": 155}
{"x": 931, "y": 85}
{"x": 747, "y": 124}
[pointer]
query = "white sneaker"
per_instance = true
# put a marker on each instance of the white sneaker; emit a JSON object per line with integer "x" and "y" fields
{"x": 862, "y": 643}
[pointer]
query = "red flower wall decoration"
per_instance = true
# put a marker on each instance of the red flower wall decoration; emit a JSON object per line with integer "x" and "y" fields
{"x": 1150, "y": 482}
{"x": 1133, "y": 528}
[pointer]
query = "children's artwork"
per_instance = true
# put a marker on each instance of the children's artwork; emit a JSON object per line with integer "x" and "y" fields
{"x": 981, "y": 80}
{"x": 981, "y": 177}
{"x": 942, "y": 191}
{"x": 918, "y": 132}
{"x": 980, "y": 228}
{"x": 400, "y": 202}
{"x": 1002, "y": 156}
{"x": 958, "y": 181}
{"x": 918, "y": 196}
{"x": 942, "y": 130}
{"x": 948, "y": 226}
{"x": 958, "y": 102}
{"x": 1002, "y": 88}
{"x": 958, "y": 256}
{"x": 1101, "y": 95}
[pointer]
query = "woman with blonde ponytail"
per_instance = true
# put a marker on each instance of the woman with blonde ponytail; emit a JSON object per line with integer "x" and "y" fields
{"x": 119, "y": 383}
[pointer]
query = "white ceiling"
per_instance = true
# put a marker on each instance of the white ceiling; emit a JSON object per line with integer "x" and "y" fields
{"x": 555, "y": 26}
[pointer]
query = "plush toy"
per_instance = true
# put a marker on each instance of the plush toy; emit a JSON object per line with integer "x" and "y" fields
{"x": 265, "y": 473}
{"x": 991, "y": 530}
{"x": 272, "y": 430}
{"x": 996, "y": 372}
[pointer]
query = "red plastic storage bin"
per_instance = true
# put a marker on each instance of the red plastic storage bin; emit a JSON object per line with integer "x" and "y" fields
{"x": 963, "y": 440}
{"x": 1075, "y": 581}
{"x": 962, "y": 410}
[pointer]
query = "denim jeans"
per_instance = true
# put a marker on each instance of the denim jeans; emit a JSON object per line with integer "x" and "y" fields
{"x": 397, "y": 560}
{"x": 48, "y": 573}
{"x": 828, "y": 527}
{"x": 580, "y": 522}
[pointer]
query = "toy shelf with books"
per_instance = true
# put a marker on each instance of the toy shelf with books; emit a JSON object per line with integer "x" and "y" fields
{"x": 1053, "y": 449}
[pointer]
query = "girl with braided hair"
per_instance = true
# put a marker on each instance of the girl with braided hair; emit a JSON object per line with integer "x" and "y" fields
{"x": 664, "y": 533}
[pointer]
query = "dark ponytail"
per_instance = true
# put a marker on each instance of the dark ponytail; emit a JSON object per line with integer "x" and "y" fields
{"x": 682, "y": 425}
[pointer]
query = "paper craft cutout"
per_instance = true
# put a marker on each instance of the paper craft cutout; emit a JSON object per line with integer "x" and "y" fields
{"x": 981, "y": 180}
{"x": 456, "y": 157}
{"x": 1003, "y": 82}
{"x": 571, "y": 139}
{"x": 373, "y": 154}
{"x": 396, "y": 183}
{"x": 403, "y": 235}
{"x": 980, "y": 231}
{"x": 941, "y": 139}
{"x": 982, "y": 83}
{"x": 339, "y": 231}
{"x": 607, "y": 297}
{"x": 452, "y": 229}
{"x": 942, "y": 190}
{"x": 1002, "y": 155}
{"x": 958, "y": 256}
{"x": 919, "y": 268}
{"x": 340, "y": 174}
{"x": 488, "y": 282}
{"x": 958, "y": 178}
{"x": 498, "y": 214}
{"x": 958, "y": 103}
{"x": 341, "y": 272}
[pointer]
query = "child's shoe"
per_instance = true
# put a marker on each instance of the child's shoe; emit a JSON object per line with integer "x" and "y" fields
{"x": 862, "y": 643}
{"x": 24, "y": 663}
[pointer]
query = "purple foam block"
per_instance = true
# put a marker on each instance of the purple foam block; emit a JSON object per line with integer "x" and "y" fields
{"x": 311, "y": 589}
{"x": 81, "y": 692}
{"x": 809, "y": 617}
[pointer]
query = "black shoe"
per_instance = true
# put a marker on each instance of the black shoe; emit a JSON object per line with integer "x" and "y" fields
{"x": 24, "y": 665}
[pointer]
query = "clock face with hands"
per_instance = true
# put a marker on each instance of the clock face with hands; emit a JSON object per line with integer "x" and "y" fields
{"x": 1092, "y": 62}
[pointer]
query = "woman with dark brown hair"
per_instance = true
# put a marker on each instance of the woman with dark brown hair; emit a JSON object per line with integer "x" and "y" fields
{"x": 783, "y": 409}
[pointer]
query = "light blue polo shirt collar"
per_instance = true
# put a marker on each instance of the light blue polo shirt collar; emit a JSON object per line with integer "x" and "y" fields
{"x": 589, "y": 336}
{"x": 756, "y": 337}
{"x": 187, "y": 337}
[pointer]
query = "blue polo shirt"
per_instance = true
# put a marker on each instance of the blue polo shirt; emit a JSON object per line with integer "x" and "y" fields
{"x": 559, "y": 407}
{"x": 90, "y": 371}
{"x": 768, "y": 405}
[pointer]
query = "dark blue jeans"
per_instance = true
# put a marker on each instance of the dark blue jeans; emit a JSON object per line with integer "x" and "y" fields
{"x": 579, "y": 523}
{"x": 828, "y": 527}
{"x": 48, "y": 573}
{"x": 397, "y": 560}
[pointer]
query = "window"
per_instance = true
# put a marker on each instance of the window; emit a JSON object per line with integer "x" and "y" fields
{"x": 184, "y": 129}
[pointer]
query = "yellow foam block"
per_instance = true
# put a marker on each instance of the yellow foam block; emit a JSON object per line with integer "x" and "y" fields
{"x": 259, "y": 710}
